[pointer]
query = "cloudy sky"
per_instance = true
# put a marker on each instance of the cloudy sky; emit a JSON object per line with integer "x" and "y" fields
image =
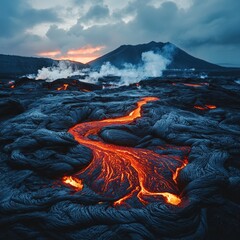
{"x": 82, "y": 30}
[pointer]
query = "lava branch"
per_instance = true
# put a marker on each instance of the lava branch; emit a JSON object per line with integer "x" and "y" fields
{"x": 63, "y": 87}
{"x": 128, "y": 173}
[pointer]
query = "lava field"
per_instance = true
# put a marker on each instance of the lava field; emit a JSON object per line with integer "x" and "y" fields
{"x": 159, "y": 159}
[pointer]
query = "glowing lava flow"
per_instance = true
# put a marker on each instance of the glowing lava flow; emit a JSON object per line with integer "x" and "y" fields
{"x": 126, "y": 174}
{"x": 195, "y": 84}
{"x": 74, "y": 182}
{"x": 63, "y": 87}
{"x": 205, "y": 107}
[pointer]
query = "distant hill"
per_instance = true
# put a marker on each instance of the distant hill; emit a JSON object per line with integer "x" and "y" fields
{"x": 132, "y": 54}
{"x": 15, "y": 66}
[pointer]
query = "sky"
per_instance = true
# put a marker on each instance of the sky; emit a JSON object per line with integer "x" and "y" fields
{"x": 83, "y": 30}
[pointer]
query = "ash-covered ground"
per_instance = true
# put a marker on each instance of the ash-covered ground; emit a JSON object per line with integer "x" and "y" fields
{"x": 37, "y": 152}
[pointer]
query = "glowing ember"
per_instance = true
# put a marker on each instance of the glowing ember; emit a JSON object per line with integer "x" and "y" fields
{"x": 127, "y": 174}
{"x": 74, "y": 182}
{"x": 63, "y": 87}
{"x": 11, "y": 84}
{"x": 211, "y": 106}
{"x": 199, "y": 107}
{"x": 85, "y": 90}
{"x": 205, "y": 107}
{"x": 195, "y": 84}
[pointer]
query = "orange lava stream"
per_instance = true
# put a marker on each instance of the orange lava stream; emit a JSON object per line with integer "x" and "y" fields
{"x": 123, "y": 173}
{"x": 211, "y": 106}
{"x": 63, "y": 87}
{"x": 176, "y": 173}
{"x": 205, "y": 107}
{"x": 195, "y": 84}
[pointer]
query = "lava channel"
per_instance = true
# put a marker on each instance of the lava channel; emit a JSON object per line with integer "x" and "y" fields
{"x": 127, "y": 175}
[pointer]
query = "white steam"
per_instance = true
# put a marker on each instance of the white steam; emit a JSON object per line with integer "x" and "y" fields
{"x": 64, "y": 69}
{"x": 153, "y": 66}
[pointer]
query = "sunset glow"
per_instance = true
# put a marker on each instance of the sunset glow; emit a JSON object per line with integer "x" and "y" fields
{"x": 83, "y": 55}
{"x": 85, "y": 50}
{"x": 49, "y": 54}
{"x": 77, "y": 58}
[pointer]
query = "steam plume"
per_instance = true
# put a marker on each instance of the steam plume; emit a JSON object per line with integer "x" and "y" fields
{"x": 152, "y": 65}
{"x": 63, "y": 70}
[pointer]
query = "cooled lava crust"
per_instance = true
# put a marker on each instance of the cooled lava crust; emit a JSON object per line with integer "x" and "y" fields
{"x": 155, "y": 160}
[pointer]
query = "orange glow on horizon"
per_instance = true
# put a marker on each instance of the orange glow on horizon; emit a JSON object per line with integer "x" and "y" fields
{"x": 78, "y": 58}
{"x": 49, "y": 54}
{"x": 85, "y": 50}
{"x": 83, "y": 55}
{"x": 127, "y": 173}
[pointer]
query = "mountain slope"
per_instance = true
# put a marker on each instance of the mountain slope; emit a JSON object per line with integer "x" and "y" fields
{"x": 13, "y": 66}
{"x": 132, "y": 54}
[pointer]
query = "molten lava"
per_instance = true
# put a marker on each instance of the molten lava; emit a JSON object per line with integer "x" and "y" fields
{"x": 211, "y": 106}
{"x": 175, "y": 175}
{"x": 74, "y": 182}
{"x": 195, "y": 84}
{"x": 205, "y": 107}
{"x": 124, "y": 174}
{"x": 63, "y": 87}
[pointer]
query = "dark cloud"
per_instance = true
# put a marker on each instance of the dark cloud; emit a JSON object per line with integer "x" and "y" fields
{"x": 155, "y": 23}
{"x": 212, "y": 22}
{"x": 210, "y": 30}
{"x": 16, "y": 16}
{"x": 95, "y": 14}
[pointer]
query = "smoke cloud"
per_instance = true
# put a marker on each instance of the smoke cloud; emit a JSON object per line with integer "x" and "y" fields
{"x": 63, "y": 70}
{"x": 152, "y": 65}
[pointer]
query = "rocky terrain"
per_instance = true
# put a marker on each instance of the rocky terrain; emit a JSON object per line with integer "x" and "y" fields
{"x": 79, "y": 161}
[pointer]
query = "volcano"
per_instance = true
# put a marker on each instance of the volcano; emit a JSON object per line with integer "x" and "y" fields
{"x": 132, "y": 54}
